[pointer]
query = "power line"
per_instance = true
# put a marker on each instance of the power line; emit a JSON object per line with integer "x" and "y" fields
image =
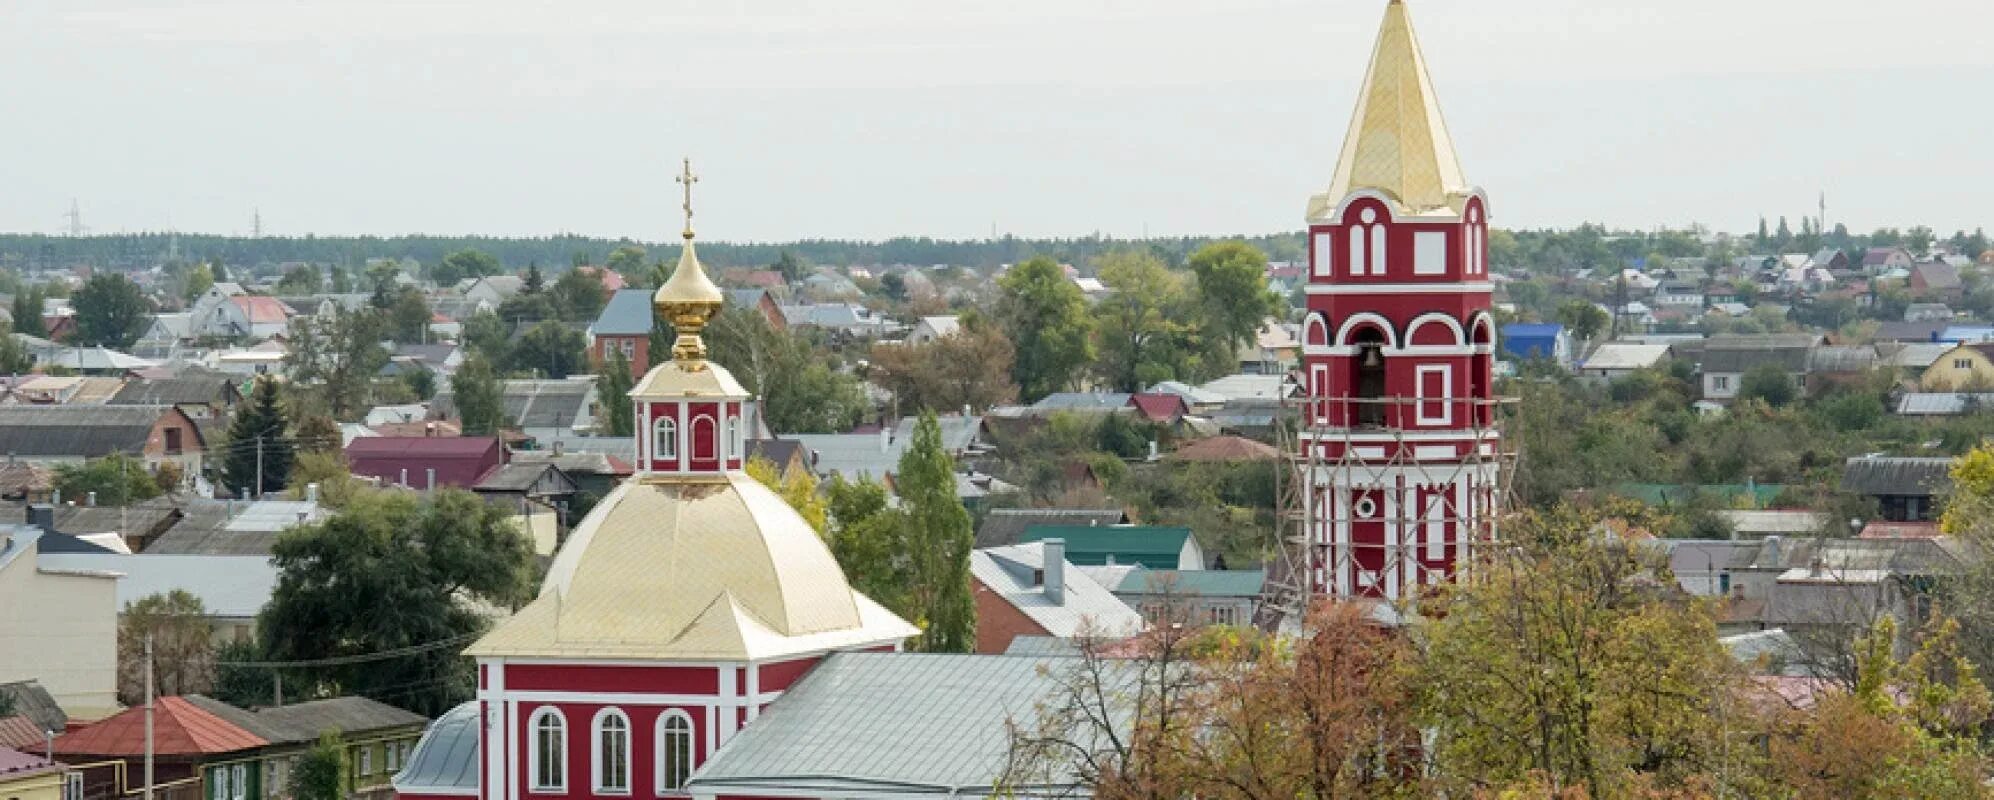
{"x": 361, "y": 658}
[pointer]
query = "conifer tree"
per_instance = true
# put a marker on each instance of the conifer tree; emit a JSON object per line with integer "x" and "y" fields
{"x": 939, "y": 532}
{"x": 259, "y": 428}
{"x": 535, "y": 281}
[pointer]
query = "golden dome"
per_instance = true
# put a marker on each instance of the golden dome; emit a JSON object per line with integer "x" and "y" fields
{"x": 723, "y": 570}
{"x": 688, "y": 299}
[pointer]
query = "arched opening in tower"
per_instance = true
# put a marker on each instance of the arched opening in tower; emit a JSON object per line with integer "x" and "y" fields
{"x": 1369, "y": 380}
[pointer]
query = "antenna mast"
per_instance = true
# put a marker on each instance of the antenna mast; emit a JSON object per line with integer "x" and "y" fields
{"x": 75, "y": 217}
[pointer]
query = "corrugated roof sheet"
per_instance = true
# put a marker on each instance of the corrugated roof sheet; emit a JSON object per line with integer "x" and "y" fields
{"x": 628, "y": 313}
{"x": 867, "y": 723}
{"x": 1088, "y": 608}
{"x": 90, "y": 431}
{"x": 1007, "y": 525}
{"x": 35, "y": 703}
{"x": 180, "y": 728}
{"x": 1200, "y": 582}
{"x": 1153, "y": 546}
{"x": 229, "y": 586}
{"x": 1927, "y": 404}
{"x": 1626, "y": 356}
{"x": 1886, "y": 476}
{"x": 446, "y": 760}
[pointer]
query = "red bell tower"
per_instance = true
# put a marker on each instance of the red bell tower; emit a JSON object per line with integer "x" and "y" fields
{"x": 1399, "y": 449}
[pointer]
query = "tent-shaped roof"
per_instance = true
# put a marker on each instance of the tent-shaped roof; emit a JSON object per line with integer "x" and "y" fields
{"x": 1397, "y": 142}
{"x": 179, "y": 728}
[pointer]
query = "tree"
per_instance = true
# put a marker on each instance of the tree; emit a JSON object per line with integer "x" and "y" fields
{"x": 800, "y": 390}
{"x": 1045, "y": 317}
{"x": 535, "y": 281}
{"x": 301, "y": 280}
{"x": 480, "y": 405}
{"x": 241, "y": 686}
{"x": 14, "y": 357}
{"x": 464, "y": 264}
{"x": 110, "y": 311}
{"x": 1143, "y": 324}
{"x": 336, "y": 485}
{"x": 320, "y": 773}
{"x": 408, "y": 319}
{"x": 183, "y": 653}
{"x": 1582, "y": 318}
{"x": 578, "y": 296}
{"x": 436, "y": 562}
{"x": 870, "y": 540}
{"x": 197, "y": 282}
{"x": 342, "y": 280}
{"x": 627, "y": 261}
{"x": 340, "y": 353}
{"x": 939, "y": 530}
{"x": 420, "y": 381}
{"x": 798, "y": 489}
{"x": 791, "y": 268}
{"x": 1233, "y": 299}
{"x": 1770, "y": 384}
{"x": 970, "y": 368}
{"x": 613, "y": 386}
{"x": 484, "y": 334}
{"x": 27, "y": 311}
{"x": 550, "y": 349}
{"x": 894, "y": 286}
{"x": 259, "y": 444}
{"x": 117, "y": 480}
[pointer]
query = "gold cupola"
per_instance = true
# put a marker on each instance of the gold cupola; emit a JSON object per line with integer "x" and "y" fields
{"x": 688, "y": 299}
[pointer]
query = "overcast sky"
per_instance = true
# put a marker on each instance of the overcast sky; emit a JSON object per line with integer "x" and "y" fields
{"x": 876, "y": 118}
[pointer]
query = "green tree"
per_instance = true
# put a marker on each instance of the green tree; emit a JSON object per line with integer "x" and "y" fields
{"x": 183, "y": 652}
{"x": 940, "y": 535}
{"x": 578, "y": 296}
{"x": 475, "y": 390}
{"x": 791, "y": 268}
{"x": 117, "y": 479}
{"x": 550, "y": 349}
{"x": 1144, "y": 329}
{"x": 1232, "y": 293}
{"x": 1770, "y": 384}
{"x": 798, "y": 489}
{"x": 110, "y": 311}
{"x": 535, "y": 280}
{"x": 27, "y": 311}
{"x": 320, "y": 773}
{"x": 613, "y": 386}
{"x": 408, "y": 319}
{"x": 342, "y": 280}
{"x": 420, "y": 382}
{"x": 197, "y": 282}
{"x": 463, "y": 264}
{"x": 1045, "y": 316}
{"x": 436, "y": 562}
{"x": 485, "y": 335}
{"x": 245, "y": 687}
{"x": 870, "y": 540}
{"x": 1582, "y": 318}
{"x": 338, "y": 354}
{"x": 627, "y": 261}
{"x": 259, "y": 444}
{"x": 14, "y": 357}
{"x": 301, "y": 280}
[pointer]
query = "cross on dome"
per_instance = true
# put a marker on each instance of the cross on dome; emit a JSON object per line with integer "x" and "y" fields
{"x": 687, "y": 179}
{"x": 689, "y": 299}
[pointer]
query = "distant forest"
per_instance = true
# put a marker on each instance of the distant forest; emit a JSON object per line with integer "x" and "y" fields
{"x": 145, "y": 250}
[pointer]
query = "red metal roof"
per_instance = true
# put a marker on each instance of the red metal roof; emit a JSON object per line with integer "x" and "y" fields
{"x": 458, "y": 460}
{"x": 1159, "y": 407}
{"x": 261, "y": 309}
{"x": 179, "y": 728}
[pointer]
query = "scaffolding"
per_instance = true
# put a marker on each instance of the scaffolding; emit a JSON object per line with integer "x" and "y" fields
{"x": 1376, "y": 449}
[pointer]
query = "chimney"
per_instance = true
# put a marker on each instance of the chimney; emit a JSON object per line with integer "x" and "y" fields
{"x": 311, "y": 492}
{"x": 404, "y": 480}
{"x": 429, "y": 429}
{"x": 1816, "y": 565}
{"x": 885, "y": 438}
{"x": 90, "y": 500}
{"x": 1769, "y": 553}
{"x": 1055, "y": 571}
{"x": 559, "y": 448}
{"x": 42, "y": 515}
{"x": 431, "y": 477}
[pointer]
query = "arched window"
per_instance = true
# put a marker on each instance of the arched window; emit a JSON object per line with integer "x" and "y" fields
{"x": 547, "y": 758}
{"x": 674, "y": 750}
{"x": 612, "y": 752}
{"x": 665, "y": 439}
{"x": 732, "y": 447}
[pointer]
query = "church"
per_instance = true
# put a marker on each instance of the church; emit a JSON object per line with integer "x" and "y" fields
{"x": 695, "y": 637}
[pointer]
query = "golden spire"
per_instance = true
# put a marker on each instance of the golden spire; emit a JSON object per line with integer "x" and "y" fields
{"x": 1397, "y": 141}
{"x": 689, "y": 299}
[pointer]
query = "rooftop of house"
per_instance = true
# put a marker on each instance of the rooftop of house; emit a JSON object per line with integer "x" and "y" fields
{"x": 1194, "y": 582}
{"x": 1225, "y": 449}
{"x": 1625, "y": 356}
{"x": 235, "y": 587}
{"x": 179, "y": 728}
{"x": 1008, "y": 525}
{"x": 1152, "y": 546}
{"x": 15, "y": 765}
{"x": 1014, "y": 573}
{"x": 190, "y": 386}
{"x": 628, "y": 313}
{"x": 33, "y": 701}
{"x": 77, "y": 430}
{"x": 1883, "y": 476}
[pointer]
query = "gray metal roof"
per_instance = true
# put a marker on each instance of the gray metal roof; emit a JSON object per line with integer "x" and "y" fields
{"x": 35, "y": 703}
{"x": 1790, "y": 351}
{"x": 533, "y": 403}
{"x": 1088, "y": 607}
{"x": 304, "y": 722}
{"x": 89, "y": 431}
{"x": 1842, "y": 358}
{"x": 446, "y": 760}
{"x": 628, "y": 313}
{"x": 1887, "y": 476}
{"x": 874, "y": 724}
{"x": 229, "y": 586}
{"x": 1927, "y": 404}
{"x": 1083, "y": 401}
{"x": 190, "y": 386}
{"x": 1007, "y": 525}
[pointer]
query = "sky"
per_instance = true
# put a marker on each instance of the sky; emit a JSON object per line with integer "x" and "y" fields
{"x": 878, "y": 118}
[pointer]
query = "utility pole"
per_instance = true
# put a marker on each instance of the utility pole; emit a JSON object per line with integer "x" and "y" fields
{"x": 148, "y": 716}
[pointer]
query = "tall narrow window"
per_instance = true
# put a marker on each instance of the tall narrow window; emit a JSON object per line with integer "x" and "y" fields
{"x": 732, "y": 447}
{"x": 220, "y": 787}
{"x": 665, "y": 439}
{"x": 674, "y": 751}
{"x": 612, "y": 752}
{"x": 548, "y": 757}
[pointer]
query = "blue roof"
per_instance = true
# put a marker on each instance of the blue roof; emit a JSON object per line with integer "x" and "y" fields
{"x": 1966, "y": 333}
{"x": 628, "y": 313}
{"x": 1530, "y": 339}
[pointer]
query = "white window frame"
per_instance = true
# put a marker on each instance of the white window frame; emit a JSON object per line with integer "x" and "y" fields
{"x": 366, "y": 759}
{"x": 1324, "y": 265}
{"x": 533, "y": 733}
{"x": 665, "y": 439}
{"x": 1436, "y": 525}
{"x": 238, "y": 781}
{"x": 392, "y": 751}
{"x": 597, "y": 769}
{"x": 219, "y": 791}
{"x": 1429, "y": 253}
{"x": 731, "y": 439}
{"x": 688, "y": 751}
{"x": 72, "y": 786}
{"x": 1446, "y": 398}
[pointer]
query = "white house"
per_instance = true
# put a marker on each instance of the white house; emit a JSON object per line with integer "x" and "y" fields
{"x": 932, "y": 328}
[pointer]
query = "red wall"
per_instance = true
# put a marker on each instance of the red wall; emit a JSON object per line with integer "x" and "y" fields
{"x": 580, "y": 730}
{"x": 661, "y": 680}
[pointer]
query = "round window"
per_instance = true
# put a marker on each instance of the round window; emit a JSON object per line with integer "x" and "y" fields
{"x": 1366, "y": 508}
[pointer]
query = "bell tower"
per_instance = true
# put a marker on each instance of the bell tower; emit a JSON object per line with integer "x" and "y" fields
{"x": 1399, "y": 448}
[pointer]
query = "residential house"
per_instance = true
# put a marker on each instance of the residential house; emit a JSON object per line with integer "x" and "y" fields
{"x": 1961, "y": 368}
{"x": 425, "y": 462}
{"x": 539, "y": 494}
{"x": 50, "y": 435}
{"x": 36, "y": 713}
{"x": 787, "y": 455}
{"x": 57, "y": 390}
{"x": 1878, "y": 260}
{"x": 1005, "y": 526}
{"x": 1942, "y": 404}
{"x": 95, "y": 361}
{"x": 546, "y": 411}
{"x": 245, "y": 315}
{"x": 1223, "y": 450}
{"x": 60, "y": 627}
{"x": 1679, "y": 295}
{"x": 1936, "y": 279}
{"x": 1723, "y": 360}
{"x": 1614, "y": 360}
{"x": 611, "y": 280}
{"x": 30, "y": 777}
{"x": 232, "y": 589}
{"x": 205, "y": 396}
{"x": 1276, "y": 349}
{"x": 1159, "y": 409}
{"x": 1829, "y": 258}
{"x": 1152, "y": 546}
{"x": 593, "y": 473}
{"x": 1928, "y": 312}
{"x": 213, "y": 527}
{"x": 167, "y": 331}
{"x": 1528, "y": 341}
{"x": 761, "y": 301}
{"x": 1909, "y": 361}
{"x": 1970, "y": 332}
{"x": 1252, "y": 388}
{"x": 624, "y": 326}
{"x": 931, "y": 328}
{"x": 827, "y": 284}
{"x": 441, "y": 358}
{"x": 1832, "y": 365}
{"x": 1193, "y": 597}
{"x": 848, "y": 320}
{"x": 1905, "y": 489}
{"x": 490, "y": 290}
{"x": 1197, "y": 400}
{"x": 1921, "y": 331}
{"x": 1032, "y": 590}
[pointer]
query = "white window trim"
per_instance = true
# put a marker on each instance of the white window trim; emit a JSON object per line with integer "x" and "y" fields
{"x": 596, "y": 773}
{"x": 1429, "y": 253}
{"x": 1324, "y": 255}
{"x": 366, "y": 759}
{"x": 1446, "y": 398}
{"x": 670, "y": 436}
{"x": 220, "y": 790}
{"x": 238, "y": 781}
{"x": 713, "y": 431}
{"x": 533, "y": 784}
{"x": 691, "y": 749}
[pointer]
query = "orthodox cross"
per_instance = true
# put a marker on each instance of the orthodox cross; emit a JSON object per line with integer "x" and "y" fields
{"x": 687, "y": 179}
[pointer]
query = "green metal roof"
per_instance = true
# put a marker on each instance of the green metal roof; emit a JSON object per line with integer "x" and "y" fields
{"x": 1154, "y": 547}
{"x": 1202, "y": 582}
{"x": 1663, "y": 494}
